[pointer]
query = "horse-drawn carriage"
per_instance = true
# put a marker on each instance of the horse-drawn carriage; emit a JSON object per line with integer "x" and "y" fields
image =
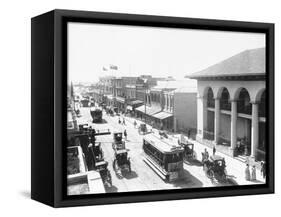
{"x": 189, "y": 153}
{"x": 121, "y": 159}
{"x": 214, "y": 168}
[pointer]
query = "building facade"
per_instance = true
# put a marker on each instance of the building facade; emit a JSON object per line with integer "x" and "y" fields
{"x": 171, "y": 105}
{"x": 231, "y": 105}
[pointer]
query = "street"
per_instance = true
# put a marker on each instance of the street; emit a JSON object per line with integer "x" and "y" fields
{"x": 142, "y": 177}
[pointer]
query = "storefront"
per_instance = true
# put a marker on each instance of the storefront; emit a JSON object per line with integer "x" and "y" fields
{"x": 146, "y": 113}
{"x": 120, "y": 104}
{"x": 164, "y": 120}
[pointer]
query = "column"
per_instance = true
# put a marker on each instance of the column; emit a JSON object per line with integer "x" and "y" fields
{"x": 233, "y": 126}
{"x": 217, "y": 120}
{"x": 255, "y": 129}
{"x": 201, "y": 116}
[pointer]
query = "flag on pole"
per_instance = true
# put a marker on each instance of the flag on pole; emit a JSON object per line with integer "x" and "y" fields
{"x": 113, "y": 67}
{"x": 104, "y": 69}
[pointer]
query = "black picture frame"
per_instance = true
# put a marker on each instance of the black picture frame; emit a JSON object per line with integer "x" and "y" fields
{"x": 49, "y": 87}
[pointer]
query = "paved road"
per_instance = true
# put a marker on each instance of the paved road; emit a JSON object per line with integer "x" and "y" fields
{"x": 142, "y": 177}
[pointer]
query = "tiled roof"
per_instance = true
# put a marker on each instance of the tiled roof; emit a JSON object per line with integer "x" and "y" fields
{"x": 248, "y": 62}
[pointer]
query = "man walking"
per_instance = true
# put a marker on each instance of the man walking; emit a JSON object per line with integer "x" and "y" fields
{"x": 125, "y": 134}
{"x": 214, "y": 150}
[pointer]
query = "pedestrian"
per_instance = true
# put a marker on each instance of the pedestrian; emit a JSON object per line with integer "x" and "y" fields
{"x": 214, "y": 150}
{"x": 135, "y": 123}
{"x": 124, "y": 121}
{"x": 263, "y": 173}
{"x": 188, "y": 133}
{"x": 119, "y": 121}
{"x": 125, "y": 134}
{"x": 247, "y": 173}
{"x": 206, "y": 154}
{"x": 254, "y": 174}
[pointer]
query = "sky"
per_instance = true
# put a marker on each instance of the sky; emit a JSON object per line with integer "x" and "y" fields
{"x": 159, "y": 52}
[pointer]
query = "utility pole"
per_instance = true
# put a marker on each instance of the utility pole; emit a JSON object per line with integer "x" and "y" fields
{"x": 145, "y": 89}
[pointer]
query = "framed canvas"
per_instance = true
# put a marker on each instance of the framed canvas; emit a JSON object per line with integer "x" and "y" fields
{"x": 133, "y": 108}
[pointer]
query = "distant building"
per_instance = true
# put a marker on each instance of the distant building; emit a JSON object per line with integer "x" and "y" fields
{"x": 171, "y": 105}
{"x": 231, "y": 104}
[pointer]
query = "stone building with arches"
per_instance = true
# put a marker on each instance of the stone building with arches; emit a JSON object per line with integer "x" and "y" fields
{"x": 231, "y": 103}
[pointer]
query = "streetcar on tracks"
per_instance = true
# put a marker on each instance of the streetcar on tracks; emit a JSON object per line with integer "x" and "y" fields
{"x": 96, "y": 114}
{"x": 164, "y": 156}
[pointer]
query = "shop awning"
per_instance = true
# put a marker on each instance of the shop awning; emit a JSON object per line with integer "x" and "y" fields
{"x": 148, "y": 110}
{"x": 162, "y": 115}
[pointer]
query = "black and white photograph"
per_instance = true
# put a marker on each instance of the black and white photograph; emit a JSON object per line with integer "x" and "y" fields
{"x": 158, "y": 108}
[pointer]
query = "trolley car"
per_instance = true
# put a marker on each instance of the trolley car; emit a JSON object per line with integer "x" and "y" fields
{"x": 164, "y": 156}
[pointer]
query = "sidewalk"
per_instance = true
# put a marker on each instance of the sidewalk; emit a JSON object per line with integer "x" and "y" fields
{"x": 235, "y": 168}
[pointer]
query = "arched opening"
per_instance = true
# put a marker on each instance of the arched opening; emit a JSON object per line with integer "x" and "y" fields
{"x": 224, "y": 100}
{"x": 262, "y": 105}
{"x": 225, "y": 118}
{"x": 210, "y": 123}
{"x": 243, "y": 103}
{"x": 210, "y": 98}
{"x": 244, "y": 109}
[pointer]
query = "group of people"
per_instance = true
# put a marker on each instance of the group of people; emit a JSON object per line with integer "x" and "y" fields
{"x": 122, "y": 122}
{"x": 250, "y": 175}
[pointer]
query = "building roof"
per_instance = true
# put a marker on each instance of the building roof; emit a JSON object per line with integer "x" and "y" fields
{"x": 186, "y": 85}
{"x": 247, "y": 63}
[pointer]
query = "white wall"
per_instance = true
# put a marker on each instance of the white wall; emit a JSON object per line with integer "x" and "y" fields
{"x": 186, "y": 110}
{"x": 15, "y": 108}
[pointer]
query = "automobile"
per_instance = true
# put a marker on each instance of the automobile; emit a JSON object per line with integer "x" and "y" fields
{"x": 215, "y": 168}
{"x": 102, "y": 168}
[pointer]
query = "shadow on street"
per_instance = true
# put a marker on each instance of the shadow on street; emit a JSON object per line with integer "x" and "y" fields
{"x": 111, "y": 189}
{"x": 188, "y": 181}
{"x": 130, "y": 175}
